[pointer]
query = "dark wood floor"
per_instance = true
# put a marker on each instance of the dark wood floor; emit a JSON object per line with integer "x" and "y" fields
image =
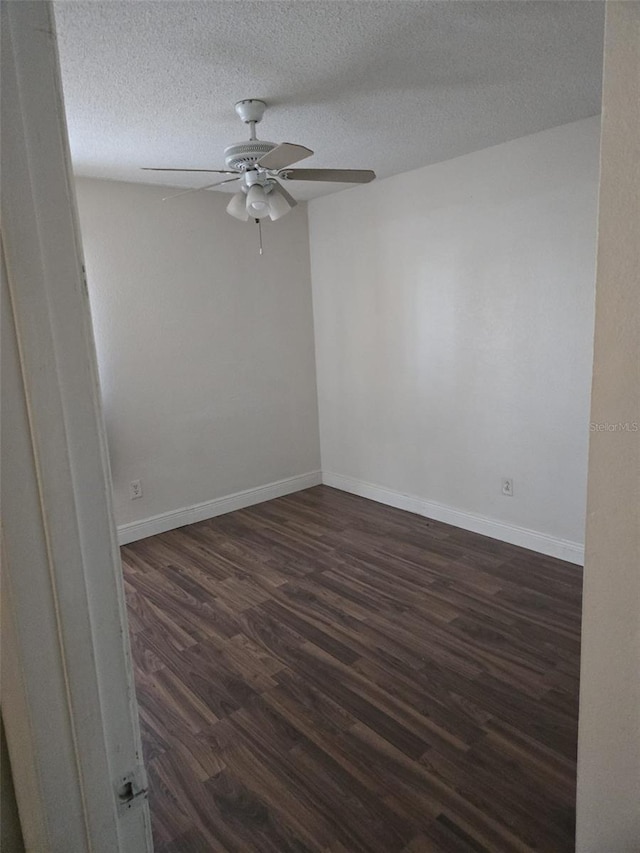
{"x": 322, "y": 673}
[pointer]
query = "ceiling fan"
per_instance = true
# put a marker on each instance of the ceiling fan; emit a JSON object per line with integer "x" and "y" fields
{"x": 260, "y": 166}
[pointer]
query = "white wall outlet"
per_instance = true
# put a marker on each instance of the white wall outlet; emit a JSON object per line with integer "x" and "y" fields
{"x": 507, "y": 487}
{"x": 135, "y": 489}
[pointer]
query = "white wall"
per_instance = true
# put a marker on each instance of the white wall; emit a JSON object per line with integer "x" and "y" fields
{"x": 453, "y": 312}
{"x": 608, "y": 813}
{"x": 205, "y": 348}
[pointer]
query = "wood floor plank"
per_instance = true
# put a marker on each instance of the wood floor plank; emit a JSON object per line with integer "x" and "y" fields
{"x": 323, "y": 674}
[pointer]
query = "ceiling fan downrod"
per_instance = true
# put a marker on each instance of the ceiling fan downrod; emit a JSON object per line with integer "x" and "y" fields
{"x": 250, "y": 111}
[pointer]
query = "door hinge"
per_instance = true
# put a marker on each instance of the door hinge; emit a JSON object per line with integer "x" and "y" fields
{"x": 131, "y": 789}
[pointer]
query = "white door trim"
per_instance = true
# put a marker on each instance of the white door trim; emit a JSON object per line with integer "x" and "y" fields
{"x": 62, "y": 584}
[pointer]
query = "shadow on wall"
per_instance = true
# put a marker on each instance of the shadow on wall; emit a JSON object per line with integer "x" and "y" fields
{"x": 10, "y": 831}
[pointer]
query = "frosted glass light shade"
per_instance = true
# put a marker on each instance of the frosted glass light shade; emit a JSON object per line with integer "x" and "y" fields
{"x": 238, "y": 207}
{"x": 257, "y": 202}
{"x": 278, "y": 204}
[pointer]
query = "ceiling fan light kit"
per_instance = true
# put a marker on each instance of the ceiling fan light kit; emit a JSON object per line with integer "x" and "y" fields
{"x": 257, "y": 203}
{"x": 259, "y": 164}
{"x": 279, "y": 205}
{"x": 238, "y": 207}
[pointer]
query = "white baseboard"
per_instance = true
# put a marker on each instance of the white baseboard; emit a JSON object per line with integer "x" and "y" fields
{"x": 219, "y": 506}
{"x": 563, "y": 549}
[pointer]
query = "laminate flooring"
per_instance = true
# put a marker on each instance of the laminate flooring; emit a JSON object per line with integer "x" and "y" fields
{"x": 323, "y": 673}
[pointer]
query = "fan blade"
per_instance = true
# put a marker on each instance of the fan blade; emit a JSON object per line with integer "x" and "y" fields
{"x": 162, "y": 169}
{"x": 199, "y": 189}
{"x": 287, "y": 195}
{"x": 352, "y": 176}
{"x": 284, "y": 155}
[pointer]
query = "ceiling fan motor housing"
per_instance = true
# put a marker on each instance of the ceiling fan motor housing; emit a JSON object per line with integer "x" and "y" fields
{"x": 244, "y": 155}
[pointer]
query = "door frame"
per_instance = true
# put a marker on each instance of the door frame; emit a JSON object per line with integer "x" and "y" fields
{"x": 68, "y": 699}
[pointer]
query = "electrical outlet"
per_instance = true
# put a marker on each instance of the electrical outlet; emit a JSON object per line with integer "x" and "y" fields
{"x": 135, "y": 489}
{"x": 507, "y": 487}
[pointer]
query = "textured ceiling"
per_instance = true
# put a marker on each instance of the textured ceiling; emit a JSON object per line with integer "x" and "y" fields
{"x": 387, "y": 85}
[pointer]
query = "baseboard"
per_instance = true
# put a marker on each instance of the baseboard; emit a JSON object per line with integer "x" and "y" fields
{"x": 551, "y": 546}
{"x": 563, "y": 549}
{"x": 219, "y": 506}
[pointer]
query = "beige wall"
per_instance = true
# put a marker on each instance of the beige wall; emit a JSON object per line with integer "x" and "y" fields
{"x": 205, "y": 348}
{"x": 453, "y": 310}
{"x": 609, "y": 739}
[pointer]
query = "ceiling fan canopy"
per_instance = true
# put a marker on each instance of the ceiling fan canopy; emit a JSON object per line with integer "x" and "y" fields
{"x": 260, "y": 166}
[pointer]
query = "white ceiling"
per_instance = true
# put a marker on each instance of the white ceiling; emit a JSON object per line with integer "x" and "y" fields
{"x": 385, "y": 85}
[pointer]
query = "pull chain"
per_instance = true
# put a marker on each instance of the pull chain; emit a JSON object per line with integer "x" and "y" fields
{"x": 258, "y": 223}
